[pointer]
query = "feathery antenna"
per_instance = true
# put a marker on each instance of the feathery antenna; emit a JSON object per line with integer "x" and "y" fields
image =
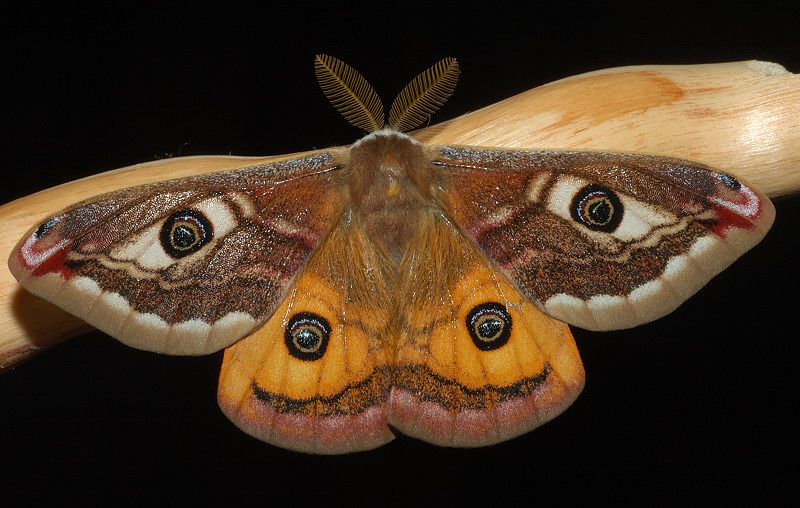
{"x": 426, "y": 93}
{"x": 349, "y": 93}
{"x": 357, "y": 101}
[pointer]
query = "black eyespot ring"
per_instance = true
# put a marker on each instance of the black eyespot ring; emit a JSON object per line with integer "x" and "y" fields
{"x": 489, "y": 326}
{"x": 597, "y": 208}
{"x": 306, "y": 336}
{"x": 185, "y": 232}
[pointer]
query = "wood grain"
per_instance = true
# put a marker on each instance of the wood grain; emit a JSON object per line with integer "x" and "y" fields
{"x": 741, "y": 117}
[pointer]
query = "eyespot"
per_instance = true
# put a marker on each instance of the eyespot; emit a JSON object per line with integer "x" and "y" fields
{"x": 489, "y": 326}
{"x": 597, "y": 208}
{"x": 306, "y": 336}
{"x": 185, "y": 232}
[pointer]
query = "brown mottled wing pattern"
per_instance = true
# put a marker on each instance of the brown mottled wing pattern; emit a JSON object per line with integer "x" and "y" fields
{"x": 184, "y": 266}
{"x": 601, "y": 240}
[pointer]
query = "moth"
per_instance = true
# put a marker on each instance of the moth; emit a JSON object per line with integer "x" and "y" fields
{"x": 393, "y": 286}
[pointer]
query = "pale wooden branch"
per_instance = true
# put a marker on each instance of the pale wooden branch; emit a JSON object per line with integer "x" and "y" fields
{"x": 741, "y": 117}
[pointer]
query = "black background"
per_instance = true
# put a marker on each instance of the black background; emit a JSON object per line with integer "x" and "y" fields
{"x": 699, "y": 405}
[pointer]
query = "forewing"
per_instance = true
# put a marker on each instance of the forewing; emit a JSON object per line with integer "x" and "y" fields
{"x": 185, "y": 266}
{"x": 601, "y": 240}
